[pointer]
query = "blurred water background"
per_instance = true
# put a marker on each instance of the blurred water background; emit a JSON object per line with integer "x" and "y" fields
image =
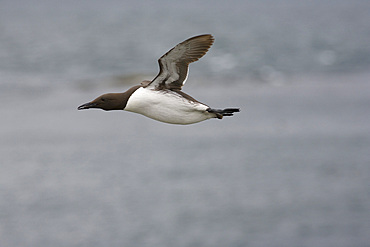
{"x": 292, "y": 169}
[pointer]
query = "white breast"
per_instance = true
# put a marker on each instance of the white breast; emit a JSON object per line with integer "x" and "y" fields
{"x": 166, "y": 106}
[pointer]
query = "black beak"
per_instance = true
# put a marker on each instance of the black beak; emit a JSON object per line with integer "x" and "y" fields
{"x": 86, "y": 106}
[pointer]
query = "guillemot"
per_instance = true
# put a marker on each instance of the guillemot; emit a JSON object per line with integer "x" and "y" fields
{"x": 162, "y": 99}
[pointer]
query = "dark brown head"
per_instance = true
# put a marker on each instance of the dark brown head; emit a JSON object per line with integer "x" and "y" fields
{"x": 110, "y": 101}
{"x": 107, "y": 102}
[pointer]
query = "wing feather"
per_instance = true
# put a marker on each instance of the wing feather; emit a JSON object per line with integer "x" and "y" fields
{"x": 174, "y": 65}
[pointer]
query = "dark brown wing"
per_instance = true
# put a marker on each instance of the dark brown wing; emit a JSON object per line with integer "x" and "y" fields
{"x": 174, "y": 65}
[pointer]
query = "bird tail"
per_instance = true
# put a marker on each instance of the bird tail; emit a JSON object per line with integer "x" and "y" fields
{"x": 220, "y": 113}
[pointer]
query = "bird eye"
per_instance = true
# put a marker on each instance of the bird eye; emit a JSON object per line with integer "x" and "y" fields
{"x": 102, "y": 99}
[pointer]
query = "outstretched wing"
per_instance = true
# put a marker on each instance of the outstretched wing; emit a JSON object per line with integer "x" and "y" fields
{"x": 174, "y": 65}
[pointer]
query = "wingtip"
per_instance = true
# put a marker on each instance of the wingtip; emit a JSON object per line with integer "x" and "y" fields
{"x": 207, "y": 36}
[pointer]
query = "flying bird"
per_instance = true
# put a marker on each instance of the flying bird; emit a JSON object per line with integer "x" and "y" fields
{"x": 162, "y": 99}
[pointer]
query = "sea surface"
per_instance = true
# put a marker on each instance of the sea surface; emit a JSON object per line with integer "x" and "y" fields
{"x": 291, "y": 169}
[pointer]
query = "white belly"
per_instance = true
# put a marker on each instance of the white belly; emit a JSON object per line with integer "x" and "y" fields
{"x": 166, "y": 106}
